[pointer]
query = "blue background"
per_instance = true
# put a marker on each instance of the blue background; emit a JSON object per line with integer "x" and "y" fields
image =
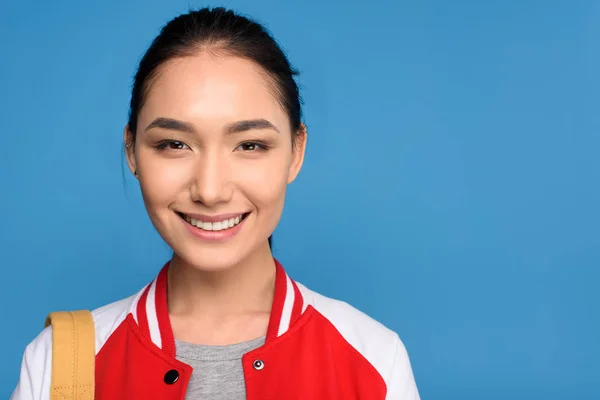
{"x": 450, "y": 189}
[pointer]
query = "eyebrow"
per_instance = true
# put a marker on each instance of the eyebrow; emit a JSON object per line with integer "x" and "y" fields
{"x": 236, "y": 127}
{"x": 171, "y": 124}
{"x": 249, "y": 125}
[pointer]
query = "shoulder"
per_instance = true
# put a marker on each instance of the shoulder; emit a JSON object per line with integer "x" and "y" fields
{"x": 380, "y": 345}
{"x": 109, "y": 317}
{"x": 361, "y": 330}
{"x": 35, "y": 375}
{"x": 106, "y": 319}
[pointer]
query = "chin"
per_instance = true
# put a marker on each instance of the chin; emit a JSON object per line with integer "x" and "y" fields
{"x": 211, "y": 258}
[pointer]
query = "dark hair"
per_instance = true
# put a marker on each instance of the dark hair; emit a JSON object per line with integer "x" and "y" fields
{"x": 221, "y": 32}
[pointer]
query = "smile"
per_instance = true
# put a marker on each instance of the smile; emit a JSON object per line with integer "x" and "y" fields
{"x": 222, "y": 225}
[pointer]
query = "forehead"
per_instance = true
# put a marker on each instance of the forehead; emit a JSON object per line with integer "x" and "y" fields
{"x": 212, "y": 90}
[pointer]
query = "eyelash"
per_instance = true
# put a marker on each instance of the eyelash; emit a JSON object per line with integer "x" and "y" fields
{"x": 164, "y": 145}
{"x": 258, "y": 146}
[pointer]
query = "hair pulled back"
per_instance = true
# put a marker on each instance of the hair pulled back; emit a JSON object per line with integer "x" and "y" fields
{"x": 221, "y": 32}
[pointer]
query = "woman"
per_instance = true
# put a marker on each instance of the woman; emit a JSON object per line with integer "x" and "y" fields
{"x": 214, "y": 137}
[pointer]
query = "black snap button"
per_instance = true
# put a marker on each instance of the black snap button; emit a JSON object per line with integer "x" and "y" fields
{"x": 258, "y": 365}
{"x": 171, "y": 377}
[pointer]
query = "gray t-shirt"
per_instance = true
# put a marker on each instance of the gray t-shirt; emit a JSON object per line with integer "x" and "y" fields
{"x": 218, "y": 372}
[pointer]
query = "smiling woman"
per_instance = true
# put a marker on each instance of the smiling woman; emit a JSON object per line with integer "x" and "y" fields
{"x": 211, "y": 143}
{"x": 215, "y": 137}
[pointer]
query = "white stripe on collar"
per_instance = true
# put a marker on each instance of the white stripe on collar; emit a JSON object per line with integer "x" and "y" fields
{"x": 288, "y": 305}
{"x": 152, "y": 315}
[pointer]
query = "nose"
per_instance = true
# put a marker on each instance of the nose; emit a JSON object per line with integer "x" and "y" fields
{"x": 211, "y": 181}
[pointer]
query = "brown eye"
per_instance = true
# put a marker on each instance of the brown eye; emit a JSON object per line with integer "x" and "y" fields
{"x": 248, "y": 146}
{"x": 175, "y": 145}
{"x": 172, "y": 145}
{"x": 251, "y": 146}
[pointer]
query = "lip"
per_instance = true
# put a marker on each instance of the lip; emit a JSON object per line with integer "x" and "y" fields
{"x": 213, "y": 218}
{"x": 214, "y": 236}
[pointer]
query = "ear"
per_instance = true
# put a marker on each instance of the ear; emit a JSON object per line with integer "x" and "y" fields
{"x": 298, "y": 151}
{"x": 130, "y": 150}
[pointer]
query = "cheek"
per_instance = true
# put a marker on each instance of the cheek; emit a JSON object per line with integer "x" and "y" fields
{"x": 264, "y": 182}
{"x": 161, "y": 181}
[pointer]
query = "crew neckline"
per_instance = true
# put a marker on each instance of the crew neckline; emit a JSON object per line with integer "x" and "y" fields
{"x": 202, "y": 352}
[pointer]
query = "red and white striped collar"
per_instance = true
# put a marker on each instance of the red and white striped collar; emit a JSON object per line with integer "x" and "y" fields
{"x": 150, "y": 310}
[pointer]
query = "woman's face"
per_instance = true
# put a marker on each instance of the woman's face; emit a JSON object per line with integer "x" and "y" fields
{"x": 214, "y": 156}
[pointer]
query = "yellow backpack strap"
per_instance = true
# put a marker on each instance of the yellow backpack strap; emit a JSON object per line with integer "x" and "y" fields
{"x": 73, "y": 355}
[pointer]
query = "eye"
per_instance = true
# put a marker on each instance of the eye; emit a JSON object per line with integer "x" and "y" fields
{"x": 251, "y": 146}
{"x": 172, "y": 145}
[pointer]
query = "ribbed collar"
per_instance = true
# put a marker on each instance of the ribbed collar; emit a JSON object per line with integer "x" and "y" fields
{"x": 151, "y": 311}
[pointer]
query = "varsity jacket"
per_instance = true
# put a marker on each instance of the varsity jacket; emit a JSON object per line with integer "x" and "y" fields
{"x": 316, "y": 348}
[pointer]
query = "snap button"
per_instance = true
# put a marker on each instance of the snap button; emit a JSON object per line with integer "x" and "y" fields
{"x": 171, "y": 377}
{"x": 258, "y": 365}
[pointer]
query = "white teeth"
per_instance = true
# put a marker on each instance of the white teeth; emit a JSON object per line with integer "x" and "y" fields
{"x": 215, "y": 226}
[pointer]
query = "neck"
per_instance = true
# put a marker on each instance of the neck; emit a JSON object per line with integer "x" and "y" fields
{"x": 247, "y": 287}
